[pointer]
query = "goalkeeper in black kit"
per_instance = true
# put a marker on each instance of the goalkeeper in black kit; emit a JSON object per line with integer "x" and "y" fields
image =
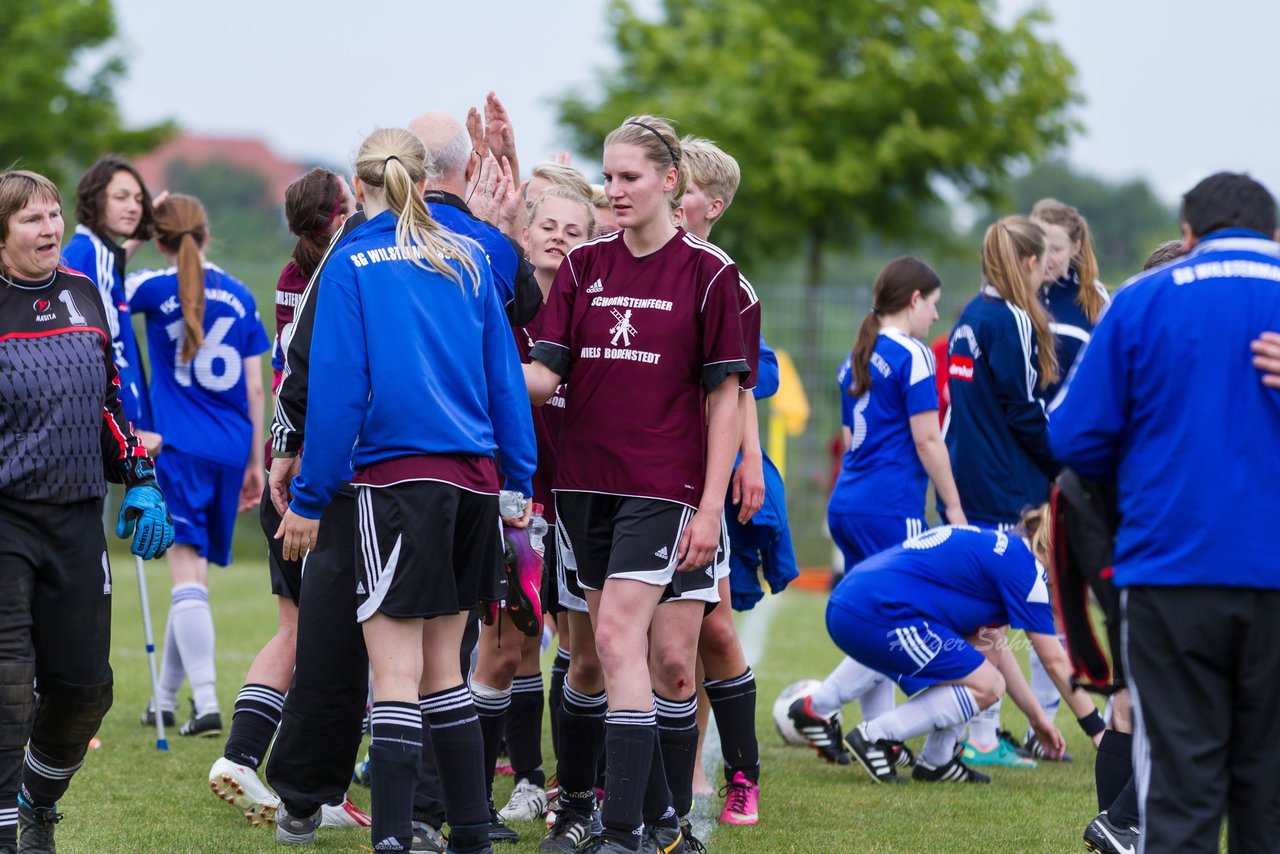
{"x": 63, "y": 434}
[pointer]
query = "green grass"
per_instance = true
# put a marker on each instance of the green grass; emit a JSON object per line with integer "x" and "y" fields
{"x": 131, "y": 798}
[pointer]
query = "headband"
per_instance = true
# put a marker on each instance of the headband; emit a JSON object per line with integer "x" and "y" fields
{"x": 675, "y": 161}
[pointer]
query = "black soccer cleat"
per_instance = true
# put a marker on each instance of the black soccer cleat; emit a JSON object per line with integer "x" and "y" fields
{"x": 954, "y": 771}
{"x": 1103, "y": 837}
{"x": 207, "y": 725}
{"x": 876, "y": 758}
{"x": 35, "y": 828}
{"x": 569, "y": 832}
{"x": 499, "y": 831}
{"x": 823, "y": 734}
{"x": 1036, "y": 750}
{"x": 902, "y": 755}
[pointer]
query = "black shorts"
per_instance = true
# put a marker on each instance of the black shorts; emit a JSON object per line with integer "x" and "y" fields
{"x": 286, "y": 575}
{"x": 423, "y": 549}
{"x": 550, "y": 582}
{"x": 614, "y": 536}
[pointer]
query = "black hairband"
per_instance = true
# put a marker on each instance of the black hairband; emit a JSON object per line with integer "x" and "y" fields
{"x": 675, "y": 161}
{"x": 391, "y": 157}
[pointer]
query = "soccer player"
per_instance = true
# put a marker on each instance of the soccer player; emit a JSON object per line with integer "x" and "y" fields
{"x": 205, "y": 340}
{"x": 889, "y": 408}
{"x": 115, "y": 215}
{"x": 1002, "y": 358}
{"x": 918, "y": 613}
{"x": 643, "y": 325}
{"x": 316, "y": 205}
{"x": 63, "y": 434}
{"x": 402, "y": 290}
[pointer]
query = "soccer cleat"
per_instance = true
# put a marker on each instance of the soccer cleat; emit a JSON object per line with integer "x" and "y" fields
{"x": 823, "y": 734}
{"x": 902, "y": 755}
{"x": 741, "y": 801}
{"x": 570, "y": 831}
{"x": 527, "y": 802}
{"x": 360, "y": 775}
{"x": 1035, "y": 749}
{"x": 239, "y": 786}
{"x": 657, "y": 839}
{"x": 203, "y": 726}
{"x": 602, "y": 845}
{"x": 296, "y": 830}
{"x": 524, "y": 582}
{"x": 876, "y": 759}
{"x": 427, "y": 837}
{"x": 498, "y": 830}
{"x": 999, "y": 754}
{"x": 1007, "y": 737}
{"x": 148, "y": 718}
{"x": 344, "y": 814}
{"x": 35, "y": 828}
{"x": 692, "y": 844}
{"x": 1104, "y": 837}
{"x": 954, "y": 771}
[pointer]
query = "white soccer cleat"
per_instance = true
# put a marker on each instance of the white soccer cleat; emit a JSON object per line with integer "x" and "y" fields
{"x": 239, "y": 786}
{"x": 345, "y": 814}
{"x": 527, "y": 802}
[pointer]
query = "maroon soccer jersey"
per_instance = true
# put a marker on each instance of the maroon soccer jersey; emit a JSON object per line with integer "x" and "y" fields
{"x": 547, "y": 420}
{"x": 639, "y": 341}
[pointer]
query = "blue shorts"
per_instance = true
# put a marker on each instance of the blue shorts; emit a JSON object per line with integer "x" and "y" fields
{"x": 861, "y": 535}
{"x": 203, "y": 497}
{"x": 911, "y": 651}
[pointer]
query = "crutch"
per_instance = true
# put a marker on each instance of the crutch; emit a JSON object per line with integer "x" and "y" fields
{"x": 161, "y": 742}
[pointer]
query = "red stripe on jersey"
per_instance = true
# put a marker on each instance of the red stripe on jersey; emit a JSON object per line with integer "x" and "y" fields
{"x": 45, "y": 333}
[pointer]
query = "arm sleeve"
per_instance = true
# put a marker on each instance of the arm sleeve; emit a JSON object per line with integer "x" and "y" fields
{"x": 768, "y": 376}
{"x": 525, "y": 299}
{"x": 508, "y": 398}
{"x": 555, "y": 335}
{"x": 256, "y": 341}
{"x": 722, "y": 350}
{"x": 921, "y": 381}
{"x": 749, "y": 320}
{"x": 142, "y": 291}
{"x": 337, "y": 406}
{"x": 1024, "y": 588}
{"x": 844, "y": 378}
{"x": 1086, "y": 429}
{"x": 1012, "y": 357}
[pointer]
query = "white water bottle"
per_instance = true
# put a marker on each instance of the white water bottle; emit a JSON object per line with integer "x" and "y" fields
{"x": 537, "y": 529}
{"x": 511, "y": 504}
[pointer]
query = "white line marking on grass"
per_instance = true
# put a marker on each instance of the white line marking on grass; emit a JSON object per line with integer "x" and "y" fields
{"x": 753, "y": 633}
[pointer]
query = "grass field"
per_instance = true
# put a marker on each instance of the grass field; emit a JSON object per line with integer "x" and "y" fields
{"x": 131, "y": 798}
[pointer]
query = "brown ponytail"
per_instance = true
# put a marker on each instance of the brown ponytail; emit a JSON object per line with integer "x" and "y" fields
{"x": 182, "y": 228}
{"x": 891, "y": 293}
{"x": 1088, "y": 297}
{"x": 1006, "y": 245}
{"x": 312, "y": 205}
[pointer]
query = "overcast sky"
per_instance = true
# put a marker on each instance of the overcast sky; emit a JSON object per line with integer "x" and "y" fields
{"x": 1175, "y": 89}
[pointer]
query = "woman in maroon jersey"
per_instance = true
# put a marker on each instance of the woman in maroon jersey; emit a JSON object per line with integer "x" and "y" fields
{"x": 643, "y": 324}
{"x": 315, "y": 206}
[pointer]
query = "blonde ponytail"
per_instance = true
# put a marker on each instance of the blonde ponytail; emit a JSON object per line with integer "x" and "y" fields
{"x": 1005, "y": 248}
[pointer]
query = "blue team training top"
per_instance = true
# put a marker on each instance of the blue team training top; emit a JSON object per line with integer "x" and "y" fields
{"x": 202, "y": 406}
{"x": 997, "y": 431}
{"x": 881, "y": 474}
{"x": 1071, "y": 328}
{"x": 406, "y": 362}
{"x": 103, "y": 262}
{"x": 958, "y": 576}
{"x": 1166, "y": 401}
{"x": 503, "y": 259}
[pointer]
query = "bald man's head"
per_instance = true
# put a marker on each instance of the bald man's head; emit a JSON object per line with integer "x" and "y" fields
{"x": 448, "y": 146}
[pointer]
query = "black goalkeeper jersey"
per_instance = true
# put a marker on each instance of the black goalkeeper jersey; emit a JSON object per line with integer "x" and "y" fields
{"x": 63, "y": 433}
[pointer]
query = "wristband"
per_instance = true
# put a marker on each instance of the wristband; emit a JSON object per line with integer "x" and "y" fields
{"x": 1091, "y": 723}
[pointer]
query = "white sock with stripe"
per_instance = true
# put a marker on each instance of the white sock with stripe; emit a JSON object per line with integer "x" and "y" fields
{"x": 982, "y": 729}
{"x": 848, "y": 682}
{"x": 936, "y": 708}
{"x": 940, "y": 746}
{"x": 880, "y": 700}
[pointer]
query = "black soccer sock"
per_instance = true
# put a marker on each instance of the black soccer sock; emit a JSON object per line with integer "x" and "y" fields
{"x": 1113, "y": 766}
{"x": 459, "y": 749}
{"x": 524, "y": 729}
{"x": 1123, "y": 811}
{"x": 491, "y": 708}
{"x": 582, "y": 729}
{"x": 678, "y": 740}
{"x": 657, "y": 809}
{"x": 629, "y": 748}
{"x": 254, "y": 722}
{"x": 733, "y": 702}
{"x": 395, "y": 747}
{"x": 555, "y": 695}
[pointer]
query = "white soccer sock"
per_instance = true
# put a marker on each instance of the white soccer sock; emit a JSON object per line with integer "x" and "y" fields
{"x": 880, "y": 700}
{"x": 1042, "y": 686}
{"x": 937, "y": 708}
{"x": 940, "y": 746}
{"x": 172, "y": 672}
{"x": 193, "y": 633}
{"x": 848, "y": 682}
{"x": 982, "y": 729}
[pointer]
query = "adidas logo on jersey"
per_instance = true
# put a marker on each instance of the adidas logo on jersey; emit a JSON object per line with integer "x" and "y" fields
{"x": 662, "y": 553}
{"x": 359, "y": 588}
{"x": 596, "y": 287}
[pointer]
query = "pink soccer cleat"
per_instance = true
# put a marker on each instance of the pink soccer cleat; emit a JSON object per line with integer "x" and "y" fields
{"x": 741, "y": 802}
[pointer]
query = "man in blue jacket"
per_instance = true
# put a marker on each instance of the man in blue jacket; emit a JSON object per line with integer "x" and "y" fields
{"x": 1166, "y": 402}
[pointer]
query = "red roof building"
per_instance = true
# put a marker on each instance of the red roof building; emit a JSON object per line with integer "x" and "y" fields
{"x": 245, "y": 153}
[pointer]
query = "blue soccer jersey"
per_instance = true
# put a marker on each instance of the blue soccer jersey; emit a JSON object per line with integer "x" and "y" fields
{"x": 960, "y": 577}
{"x": 200, "y": 407}
{"x": 881, "y": 473}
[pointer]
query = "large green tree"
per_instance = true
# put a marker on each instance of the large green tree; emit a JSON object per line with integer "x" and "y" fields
{"x": 58, "y": 65}
{"x": 849, "y": 117}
